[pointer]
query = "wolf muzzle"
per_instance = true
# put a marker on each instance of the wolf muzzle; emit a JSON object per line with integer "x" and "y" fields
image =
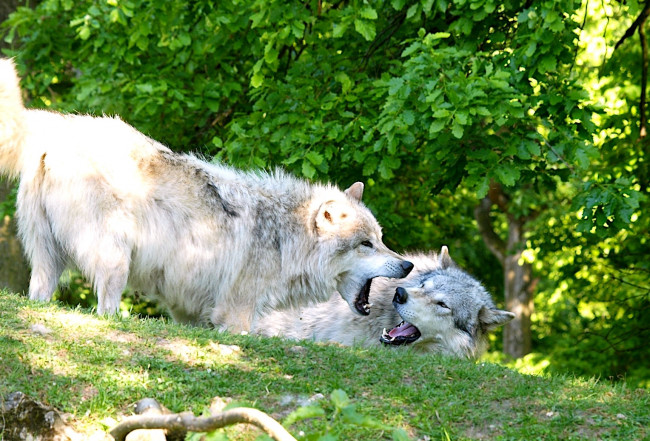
{"x": 401, "y": 296}
{"x": 406, "y": 268}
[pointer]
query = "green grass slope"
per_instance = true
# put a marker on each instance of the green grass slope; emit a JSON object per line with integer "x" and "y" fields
{"x": 95, "y": 368}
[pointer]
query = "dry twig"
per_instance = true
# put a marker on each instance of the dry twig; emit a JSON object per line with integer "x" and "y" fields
{"x": 187, "y": 421}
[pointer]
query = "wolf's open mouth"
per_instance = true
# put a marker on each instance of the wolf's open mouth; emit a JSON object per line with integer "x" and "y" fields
{"x": 361, "y": 303}
{"x": 402, "y": 334}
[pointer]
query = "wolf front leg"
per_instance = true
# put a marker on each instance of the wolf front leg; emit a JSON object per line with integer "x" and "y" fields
{"x": 106, "y": 263}
{"x": 109, "y": 287}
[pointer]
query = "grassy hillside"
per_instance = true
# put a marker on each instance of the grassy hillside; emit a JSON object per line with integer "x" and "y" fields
{"x": 96, "y": 368}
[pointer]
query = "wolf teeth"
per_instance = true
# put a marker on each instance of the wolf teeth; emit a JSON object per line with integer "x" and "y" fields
{"x": 387, "y": 336}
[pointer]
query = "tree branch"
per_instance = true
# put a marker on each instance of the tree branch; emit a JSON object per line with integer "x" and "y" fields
{"x": 495, "y": 244}
{"x": 582, "y": 27}
{"x": 187, "y": 421}
{"x": 384, "y": 36}
{"x": 644, "y": 77}
{"x": 633, "y": 27}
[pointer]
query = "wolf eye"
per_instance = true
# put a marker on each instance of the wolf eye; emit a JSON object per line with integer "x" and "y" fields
{"x": 443, "y": 305}
{"x": 367, "y": 243}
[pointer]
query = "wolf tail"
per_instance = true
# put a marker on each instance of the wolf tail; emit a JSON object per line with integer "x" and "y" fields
{"x": 12, "y": 120}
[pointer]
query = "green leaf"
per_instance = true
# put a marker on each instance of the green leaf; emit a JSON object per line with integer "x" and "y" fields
{"x": 185, "y": 39}
{"x": 314, "y": 158}
{"x": 400, "y": 435}
{"x": 548, "y": 63}
{"x": 436, "y": 126}
{"x": 308, "y": 169}
{"x": 340, "y": 399}
{"x": 394, "y": 85}
{"x": 507, "y": 174}
{"x": 522, "y": 151}
{"x": 457, "y": 130}
{"x": 533, "y": 148}
{"x": 439, "y": 35}
{"x": 257, "y": 80}
{"x": 370, "y": 165}
{"x": 409, "y": 117}
{"x": 114, "y": 15}
{"x": 411, "y": 49}
{"x": 368, "y": 12}
{"x": 84, "y": 32}
{"x": 345, "y": 81}
{"x": 270, "y": 54}
{"x": 461, "y": 117}
{"x": 303, "y": 413}
{"x": 483, "y": 187}
{"x": 145, "y": 88}
{"x": 385, "y": 170}
{"x": 441, "y": 113}
{"x": 582, "y": 158}
{"x": 412, "y": 10}
{"x": 338, "y": 29}
{"x": 298, "y": 29}
{"x": 365, "y": 28}
{"x": 532, "y": 47}
{"x": 258, "y": 17}
{"x": 359, "y": 156}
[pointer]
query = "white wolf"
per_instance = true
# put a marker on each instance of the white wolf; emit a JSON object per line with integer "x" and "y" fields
{"x": 439, "y": 308}
{"x": 212, "y": 243}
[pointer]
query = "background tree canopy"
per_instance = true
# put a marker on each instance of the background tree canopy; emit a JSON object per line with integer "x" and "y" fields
{"x": 520, "y": 110}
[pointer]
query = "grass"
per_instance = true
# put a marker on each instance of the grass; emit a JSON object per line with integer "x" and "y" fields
{"x": 96, "y": 368}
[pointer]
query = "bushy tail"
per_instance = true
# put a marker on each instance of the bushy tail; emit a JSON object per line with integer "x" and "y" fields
{"x": 12, "y": 121}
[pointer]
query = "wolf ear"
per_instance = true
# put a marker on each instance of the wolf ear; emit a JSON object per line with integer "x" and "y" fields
{"x": 491, "y": 318}
{"x": 330, "y": 216}
{"x": 444, "y": 259}
{"x": 355, "y": 191}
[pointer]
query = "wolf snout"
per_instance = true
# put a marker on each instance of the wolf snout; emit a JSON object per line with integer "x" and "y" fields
{"x": 406, "y": 267}
{"x": 401, "y": 296}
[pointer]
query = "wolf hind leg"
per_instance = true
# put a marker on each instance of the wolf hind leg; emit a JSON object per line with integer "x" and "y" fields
{"x": 46, "y": 259}
{"x": 46, "y": 271}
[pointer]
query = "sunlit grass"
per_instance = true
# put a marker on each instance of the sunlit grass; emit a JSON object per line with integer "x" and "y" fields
{"x": 96, "y": 368}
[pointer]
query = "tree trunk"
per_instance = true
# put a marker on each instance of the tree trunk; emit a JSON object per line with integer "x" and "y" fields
{"x": 14, "y": 270}
{"x": 518, "y": 293}
{"x": 519, "y": 285}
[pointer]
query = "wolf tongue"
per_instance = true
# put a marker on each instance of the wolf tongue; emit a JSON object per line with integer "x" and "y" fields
{"x": 404, "y": 329}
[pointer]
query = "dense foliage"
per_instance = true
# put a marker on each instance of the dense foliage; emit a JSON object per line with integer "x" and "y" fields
{"x": 427, "y": 101}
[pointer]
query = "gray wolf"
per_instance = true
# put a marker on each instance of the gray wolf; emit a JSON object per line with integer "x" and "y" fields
{"x": 438, "y": 308}
{"x": 213, "y": 244}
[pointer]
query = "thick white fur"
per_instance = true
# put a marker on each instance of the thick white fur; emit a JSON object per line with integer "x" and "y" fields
{"x": 460, "y": 330}
{"x": 212, "y": 243}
